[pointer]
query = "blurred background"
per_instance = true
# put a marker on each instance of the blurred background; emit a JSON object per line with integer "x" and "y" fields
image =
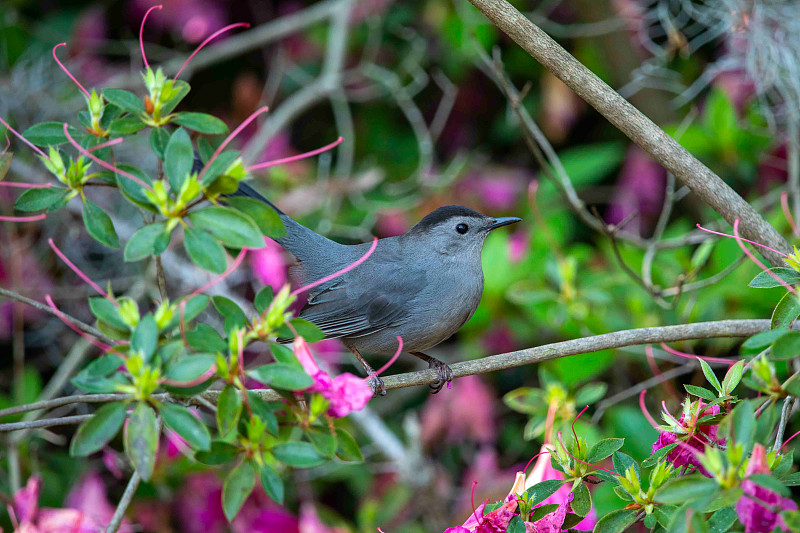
{"x": 436, "y": 107}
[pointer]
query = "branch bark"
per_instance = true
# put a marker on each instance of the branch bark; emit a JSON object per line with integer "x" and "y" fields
{"x": 699, "y": 178}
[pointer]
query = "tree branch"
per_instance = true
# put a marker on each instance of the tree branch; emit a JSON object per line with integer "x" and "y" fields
{"x": 700, "y": 179}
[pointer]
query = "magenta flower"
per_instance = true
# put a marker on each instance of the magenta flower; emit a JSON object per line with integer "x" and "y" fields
{"x": 639, "y": 189}
{"x": 90, "y": 497}
{"x": 691, "y": 436}
{"x": 493, "y": 522}
{"x": 29, "y": 518}
{"x": 551, "y": 522}
{"x": 755, "y": 517}
{"x": 268, "y": 265}
{"x": 443, "y": 419}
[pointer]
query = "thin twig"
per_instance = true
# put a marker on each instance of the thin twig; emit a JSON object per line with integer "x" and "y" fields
{"x": 45, "y": 423}
{"x": 127, "y": 496}
{"x": 787, "y": 404}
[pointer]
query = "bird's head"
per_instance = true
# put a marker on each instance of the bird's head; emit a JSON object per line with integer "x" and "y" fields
{"x": 456, "y": 230}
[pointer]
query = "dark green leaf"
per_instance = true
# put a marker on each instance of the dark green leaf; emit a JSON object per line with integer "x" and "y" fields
{"x": 543, "y": 490}
{"x": 106, "y": 311}
{"x": 297, "y": 454}
{"x": 786, "y": 347}
{"x": 765, "y": 281}
{"x": 180, "y": 420}
{"x": 622, "y": 462}
{"x": 49, "y": 133}
{"x": 125, "y": 126}
{"x": 204, "y": 338}
{"x": 770, "y": 482}
{"x": 539, "y": 512}
{"x": 515, "y": 525}
{"x": 732, "y": 377}
{"x": 701, "y": 392}
{"x": 590, "y": 393}
{"x": 759, "y": 341}
{"x": 231, "y": 227}
{"x": 722, "y": 520}
{"x": 124, "y": 100}
{"x": 204, "y": 149}
{"x": 686, "y": 489}
{"x": 201, "y": 122}
{"x": 322, "y": 440}
{"x": 265, "y": 411}
{"x": 194, "y": 306}
{"x": 266, "y": 218}
{"x": 785, "y": 312}
{"x": 263, "y": 299}
{"x": 784, "y": 465}
{"x": 308, "y": 330}
{"x": 582, "y": 503}
{"x": 218, "y": 166}
{"x": 709, "y": 374}
{"x": 38, "y": 199}
{"x": 282, "y": 354}
{"x": 143, "y": 242}
{"x": 99, "y": 224}
{"x": 229, "y": 408}
{"x": 190, "y": 367}
{"x": 232, "y": 313}
{"x": 658, "y": 455}
{"x": 204, "y": 250}
{"x": 178, "y": 158}
{"x": 132, "y": 190}
{"x": 219, "y": 453}
{"x": 236, "y": 488}
{"x": 141, "y": 439}
{"x": 180, "y": 90}
{"x": 347, "y": 449}
{"x": 145, "y": 337}
{"x": 741, "y": 424}
{"x": 603, "y": 449}
{"x": 282, "y": 376}
{"x": 96, "y": 432}
{"x": 615, "y": 521}
{"x": 159, "y": 137}
{"x": 273, "y": 485}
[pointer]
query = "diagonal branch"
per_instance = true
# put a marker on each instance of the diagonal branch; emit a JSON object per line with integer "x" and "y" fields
{"x": 699, "y": 178}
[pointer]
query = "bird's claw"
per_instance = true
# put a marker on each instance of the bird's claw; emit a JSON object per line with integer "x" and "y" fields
{"x": 377, "y": 386}
{"x": 445, "y": 374}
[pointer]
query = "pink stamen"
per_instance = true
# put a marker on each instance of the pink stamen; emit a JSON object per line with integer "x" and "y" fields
{"x": 472, "y": 502}
{"x": 8, "y": 144}
{"x": 789, "y": 439}
{"x": 67, "y": 72}
{"x": 584, "y": 462}
{"x": 533, "y": 459}
{"x": 392, "y": 360}
{"x": 23, "y": 185}
{"x": 704, "y": 358}
{"x": 33, "y": 218}
{"x": 230, "y": 137}
{"x": 100, "y": 162}
{"x": 23, "y": 139}
{"x": 297, "y": 157}
{"x": 103, "y": 346}
{"x": 651, "y": 361}
{"x": 575, "y": 435}
{"x": 141, "y": 34}
{"x": 666, "y": 412}
{"x": 106, "y": 144}
{"x": 338, "y": 273}
{"x": 80, "y": 274}
{"x": 208, "y": 40}
{"x": 788, "y": 213}
{"x": 222, "y": 276}
{"x": 646, "y": 413}
{"x": 759, "y": 263}
{"x": 740, "y": 238}
{"x": 192, "y": 382}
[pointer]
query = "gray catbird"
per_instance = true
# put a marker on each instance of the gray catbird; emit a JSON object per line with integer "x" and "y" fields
{"x": 422, "y": 285}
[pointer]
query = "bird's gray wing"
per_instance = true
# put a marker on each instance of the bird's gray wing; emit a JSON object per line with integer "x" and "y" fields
{"x": 379, "y": 301}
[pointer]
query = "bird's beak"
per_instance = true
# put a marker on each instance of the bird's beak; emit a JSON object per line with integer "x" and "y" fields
{"x": 502, "y": 221}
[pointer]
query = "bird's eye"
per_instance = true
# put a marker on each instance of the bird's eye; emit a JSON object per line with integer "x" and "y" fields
{"x": 462, "y": 228}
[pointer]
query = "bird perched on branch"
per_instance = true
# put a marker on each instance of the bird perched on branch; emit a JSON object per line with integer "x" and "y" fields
{"x": 422, "y": 285}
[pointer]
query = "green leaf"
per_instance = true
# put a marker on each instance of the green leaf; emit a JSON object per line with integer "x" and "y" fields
{"x": 658, "y": 455}
{"x": 603, "y": 449}
{"x": 133, "y": 191}
{"x": 582, "y": 503}
{"x": 204, "y": 338}
{"x": 236, "y": 488}
{"x": 99, "y": 224}
{"x": 204, "y": 250}
{"x": 125, "y": 126}
{"x": 180, "y": 420}
{"x": 265, "y": 411}
{"x": 106, "y": 311}
{"x": 38, "y": 199}
{"x": 785, "y": 312}
{"x": 700, "y": 392}
{"x": 50, "y": 133}
{"x": 732, "y": 377}
{"x": 232, "y": 313}
{"x": 190, "y": 367}
{"x": 178, "y": 158}
{"x": 322, "y": 440}
{"x": 231, "y": 227}
{"x": 308, "y": 330}
{"x": 297, "y": 454}
{"x": 5, "y": 164}
{"x": 622, "y": 462}
{"x": 201, "y": 122}
{"x": 220, "y": 453}
{"x": 94, "y": 377}
{"x": 282, "y": 354}
{"x": 543, "y": 490}
{"x": 765, "y": 281}
{"x": 741, "y": 424}
{"x": 194, "y": 306}
{"x": 515, "y": 525}
{"x": 759, "y": 341}
{"x": 722, "y": 520}
{"x": 124, "y": 100}
{"x": 96, "y": 432}
{"x": 142, "y": 243}
{"x": 784, "y": 465}
{"x": 347, "y": 447}
{"x": 590, "y": 393}
{"x": 229, "y": 408}
{"x": 263, "y": 299}
{"x": 282, "y": 376}
{"x": 686, "y": 489}
{"x": 710, "y": 376}
{"x": 141, "y": 439}
{"x": 266, "y": 218}
{"x": 180, "y": 90}
{"x": 615, "y": 521}
{"x": 587, "y": 164}
{"x": 770, "y": 482}
{"x": 159, "y": 138}
{"x": 145, "y": 337}
{"x": 273, "y": 484}
{"x": 218, "y": 166}
{"x": 786, "y": 346}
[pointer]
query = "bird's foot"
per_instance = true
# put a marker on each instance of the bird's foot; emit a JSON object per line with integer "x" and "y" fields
{"x": 445, "y": 374}
{"x": 377, "y": 386}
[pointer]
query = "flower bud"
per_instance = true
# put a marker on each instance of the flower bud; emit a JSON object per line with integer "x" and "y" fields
{"x": 129, "y": 312}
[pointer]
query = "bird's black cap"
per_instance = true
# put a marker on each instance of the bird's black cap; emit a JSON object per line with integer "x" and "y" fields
{"x": 445, "y": 213}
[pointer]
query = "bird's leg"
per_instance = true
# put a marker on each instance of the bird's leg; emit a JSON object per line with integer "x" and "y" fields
{"x": 445, "y": 373}
{"x": 376, "y": 383}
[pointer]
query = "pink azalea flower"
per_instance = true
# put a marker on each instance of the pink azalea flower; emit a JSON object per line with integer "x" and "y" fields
{"x": 755, "y": 517}
{"x": 551, "y": 522}
{"x": 493, "y": 522}
{"x": 518, "y": 245}
{"x": 310, "y": 522}
{"x": 90, "y": 497}
{"x": 694, "y": 437}
{"x": 444, "y": 419}
{"x": 193, "y": 19}
{"x": 29, "y": 518}
{"x": 268, "y": 264}
{"x": 640, "y": 189}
